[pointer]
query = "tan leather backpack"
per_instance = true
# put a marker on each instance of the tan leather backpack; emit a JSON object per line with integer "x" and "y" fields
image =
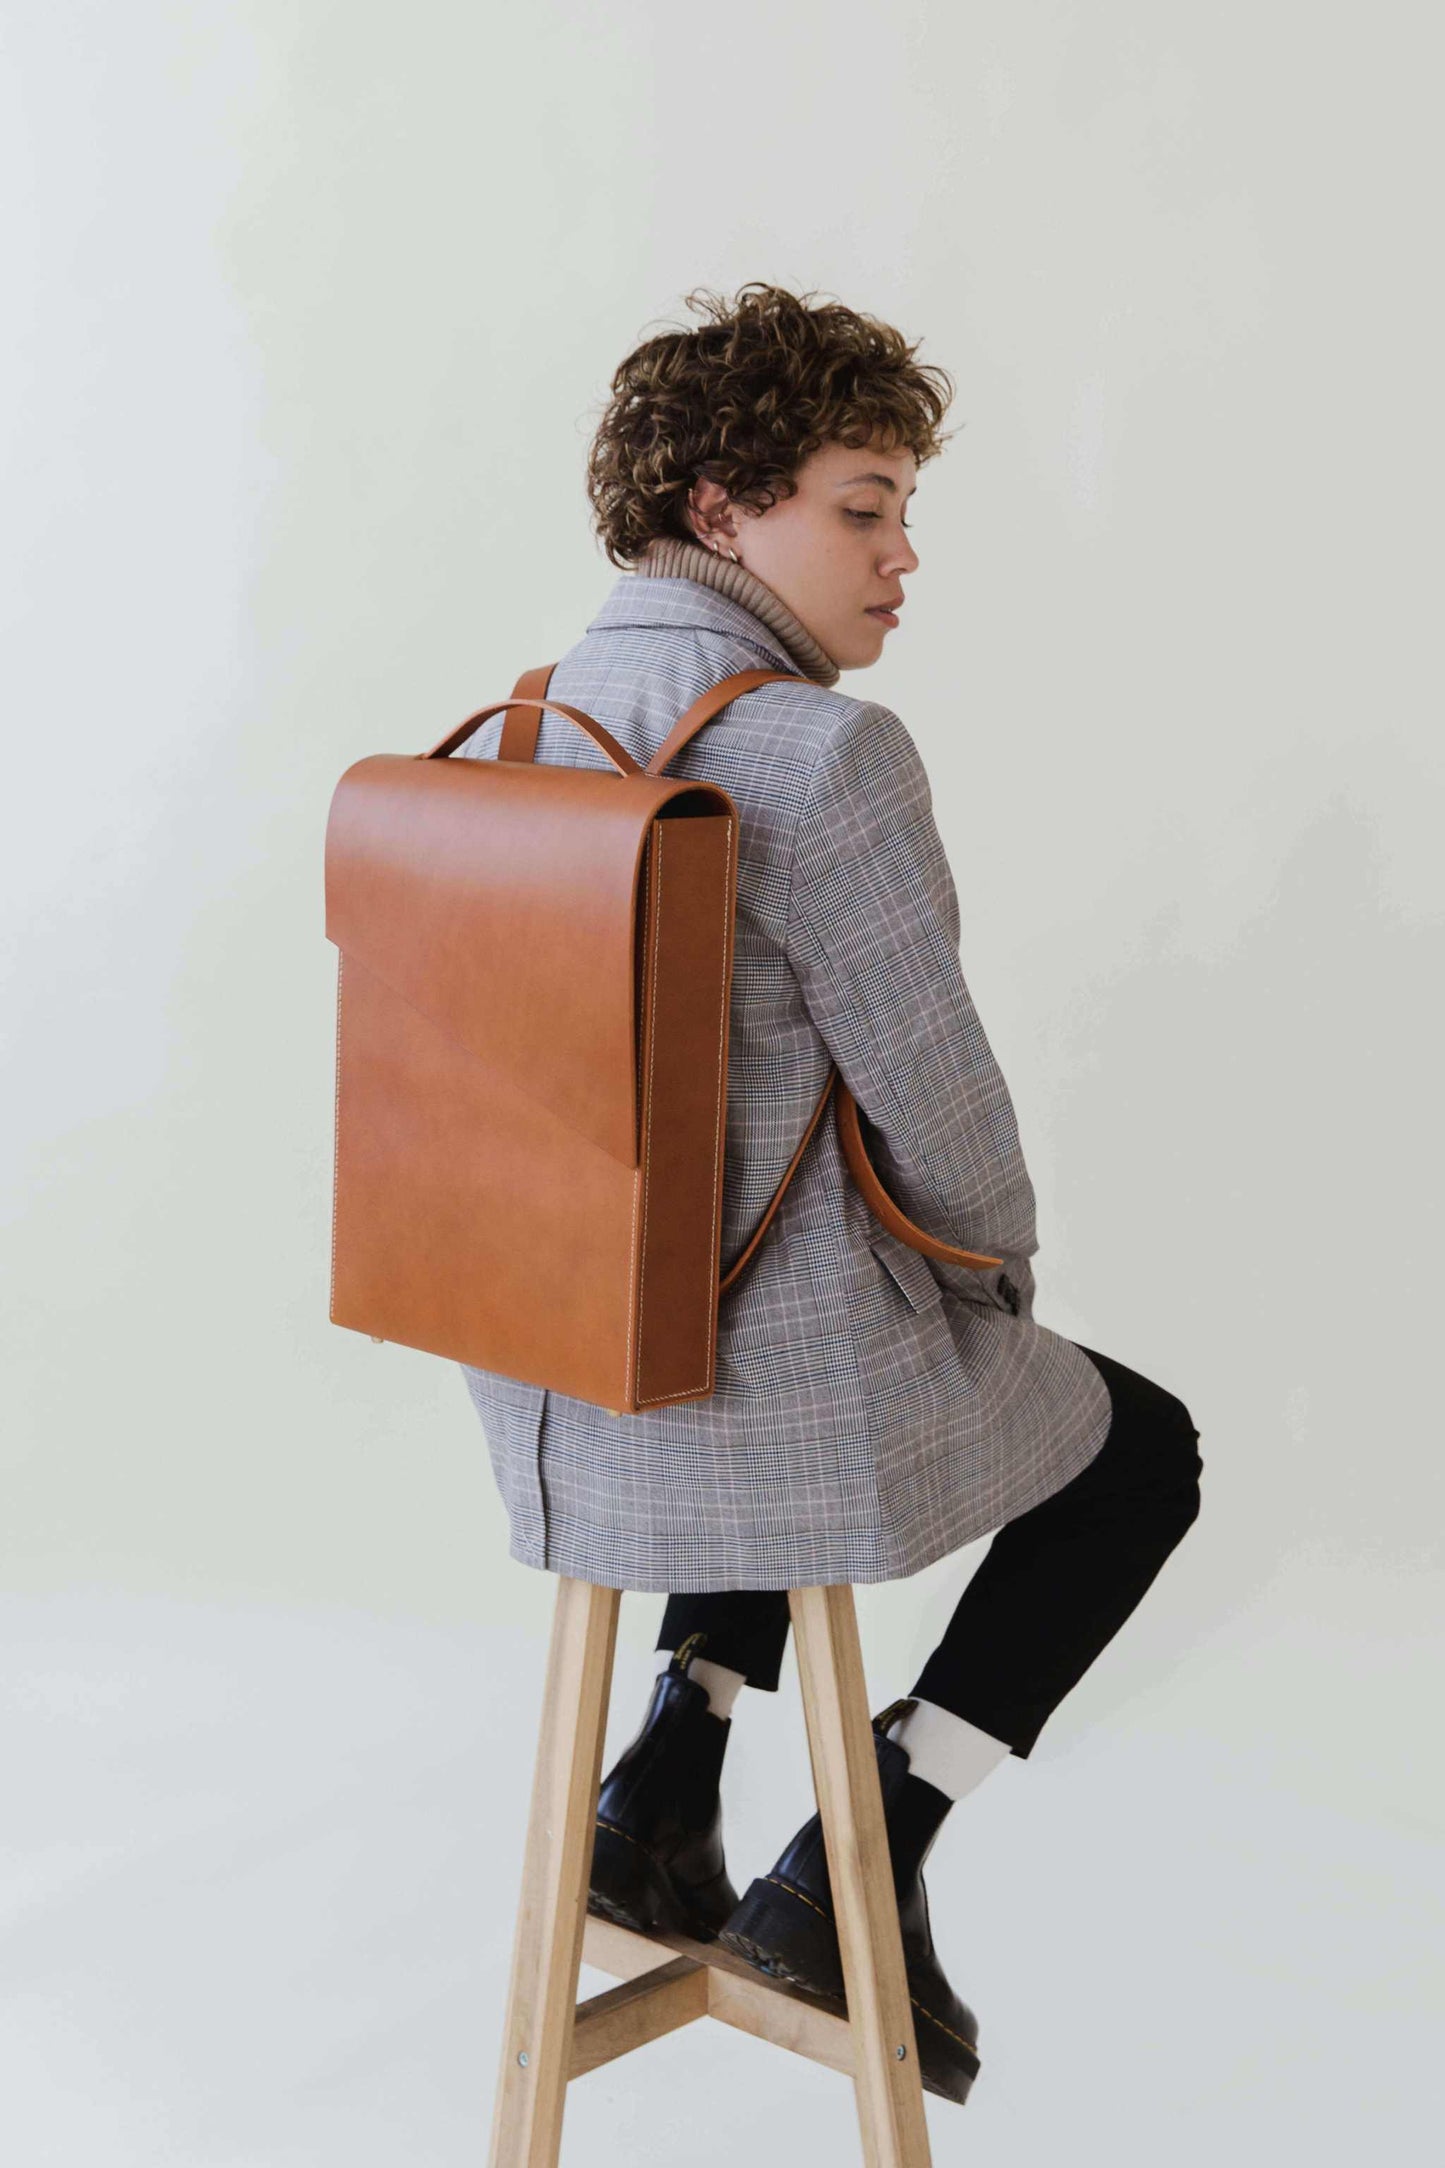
{"x": 531, "y": 1058}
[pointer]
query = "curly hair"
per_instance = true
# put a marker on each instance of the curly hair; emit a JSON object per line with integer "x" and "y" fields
{"x": 743, "y": 400}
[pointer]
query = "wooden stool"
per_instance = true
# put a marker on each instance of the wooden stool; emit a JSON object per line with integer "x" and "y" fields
{"x": 668, "y": 1980}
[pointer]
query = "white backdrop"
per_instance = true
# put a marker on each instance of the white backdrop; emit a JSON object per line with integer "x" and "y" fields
{"x": 310, "y": 312}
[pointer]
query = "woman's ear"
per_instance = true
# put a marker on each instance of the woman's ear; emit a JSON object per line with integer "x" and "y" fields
{"x": 709, "y": 514}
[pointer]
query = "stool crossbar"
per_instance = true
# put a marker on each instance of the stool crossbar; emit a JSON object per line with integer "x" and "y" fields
{"x": 666, "y": 1980}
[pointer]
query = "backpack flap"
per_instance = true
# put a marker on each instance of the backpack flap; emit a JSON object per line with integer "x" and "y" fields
{"x": 499, "y": 900}
{"x": 496, "y": 1061}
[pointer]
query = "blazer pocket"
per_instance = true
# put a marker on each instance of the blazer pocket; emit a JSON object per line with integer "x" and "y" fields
{"x": 908, "y": 1270}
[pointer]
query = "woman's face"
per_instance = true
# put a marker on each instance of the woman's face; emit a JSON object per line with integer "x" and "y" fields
{"x": 836, "y": 551}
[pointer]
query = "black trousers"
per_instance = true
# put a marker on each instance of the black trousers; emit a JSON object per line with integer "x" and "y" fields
{"x": 1054, "y": 1587}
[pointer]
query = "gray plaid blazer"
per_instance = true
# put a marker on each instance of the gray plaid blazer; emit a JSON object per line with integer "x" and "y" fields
{"x": 873, "y": 1410}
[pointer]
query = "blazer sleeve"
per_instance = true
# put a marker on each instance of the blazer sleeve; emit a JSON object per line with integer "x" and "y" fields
{"x": 872, "y": 934}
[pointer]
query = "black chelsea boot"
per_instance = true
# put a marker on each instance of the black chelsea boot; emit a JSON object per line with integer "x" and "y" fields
{"x": 785, "y": 1924}
{"x": 657, "y": 1853}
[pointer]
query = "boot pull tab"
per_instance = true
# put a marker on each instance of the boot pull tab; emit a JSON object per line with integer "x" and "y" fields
{"x": 683, "y": 1655}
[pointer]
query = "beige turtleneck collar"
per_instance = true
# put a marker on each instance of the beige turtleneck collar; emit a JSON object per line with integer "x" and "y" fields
{"x": 670, "y": 558}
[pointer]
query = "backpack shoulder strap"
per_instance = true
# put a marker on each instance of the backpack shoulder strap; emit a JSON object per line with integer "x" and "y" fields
{"x": 521, "y": 725}
{"x": 745, "y": 1255}
{"x": 707, "y": 704}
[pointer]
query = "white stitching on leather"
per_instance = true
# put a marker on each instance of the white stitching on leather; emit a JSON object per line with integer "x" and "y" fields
{"x": 651, "y": 1063}
{"x": 336, "y": 1148}
{"x": 721, "y": 1069}
{"x": 655, "y": 1399}
{"x": 631, "y": 1275}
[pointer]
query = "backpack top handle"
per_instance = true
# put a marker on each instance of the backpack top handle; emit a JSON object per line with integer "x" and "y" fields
{"x": 525, "y": 708}
{"x": 619, "y": 756}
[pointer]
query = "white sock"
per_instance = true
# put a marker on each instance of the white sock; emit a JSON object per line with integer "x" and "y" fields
{"x": 945, "y": 1750}
{"x": 722, "y": 1684}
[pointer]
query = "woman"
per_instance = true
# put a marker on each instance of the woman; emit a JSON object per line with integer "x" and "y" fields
{"x": 873, "y": 1410}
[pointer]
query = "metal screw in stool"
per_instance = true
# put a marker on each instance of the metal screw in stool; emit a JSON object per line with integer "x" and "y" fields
{"x": 667, "y": 1980}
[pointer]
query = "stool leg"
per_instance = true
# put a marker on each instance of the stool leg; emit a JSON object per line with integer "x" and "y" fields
{"x": 889, "y": 2085}
{"x": 556, "y": 1869}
